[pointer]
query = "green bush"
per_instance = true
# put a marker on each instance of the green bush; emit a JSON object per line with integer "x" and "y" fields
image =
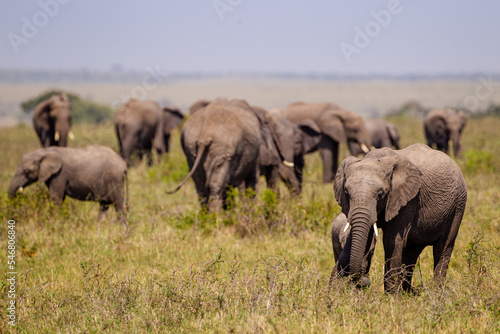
{"x": 479, "y": 161}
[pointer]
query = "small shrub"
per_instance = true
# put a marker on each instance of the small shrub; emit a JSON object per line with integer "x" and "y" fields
{"x": 479, "y": 161}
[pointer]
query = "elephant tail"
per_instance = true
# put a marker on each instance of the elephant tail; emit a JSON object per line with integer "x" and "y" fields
{"x": 197, "y": 161}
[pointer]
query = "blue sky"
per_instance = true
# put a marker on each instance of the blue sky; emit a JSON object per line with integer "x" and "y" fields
{"x": 423, "y": 37}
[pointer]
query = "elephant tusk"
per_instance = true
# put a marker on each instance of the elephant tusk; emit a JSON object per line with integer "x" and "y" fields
{"x": 288, "y": 163}
{"x": 372, "y": 148}
{"x": 346, "y": 227}
{"x": 57, "y": 136}
{"x": 71, "y": 135}
{"x": 375, "y": 230}
{"x": 364, "y": 148}
{"x": 20, "y": 189}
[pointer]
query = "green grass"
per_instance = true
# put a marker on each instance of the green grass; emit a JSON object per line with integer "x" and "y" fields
{"x": 262, "y": 266}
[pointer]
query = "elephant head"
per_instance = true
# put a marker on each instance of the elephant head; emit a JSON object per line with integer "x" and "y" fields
{"x": 52, "y": 120}
{"x": 39, "y": 165}
{"x": 369, "y": 191}
{"x": 292, "y": 141}
{"x": 344, "y": 126}
{"x": 394, "y": 136}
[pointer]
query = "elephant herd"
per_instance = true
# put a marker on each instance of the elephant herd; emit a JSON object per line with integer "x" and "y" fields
{"x": 416, "y": 195}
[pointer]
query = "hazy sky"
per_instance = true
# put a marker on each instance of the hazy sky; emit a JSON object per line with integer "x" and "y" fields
{"x": 318, "y": 36}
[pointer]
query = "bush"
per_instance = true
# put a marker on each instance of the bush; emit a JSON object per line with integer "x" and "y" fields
{"x": 479, "y": 161}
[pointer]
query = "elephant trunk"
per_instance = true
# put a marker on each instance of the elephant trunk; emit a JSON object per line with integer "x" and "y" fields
{"x": 16, "y": 184}
{"x": 361, "y": 223}
{"x": 455, "y": 139}
{"x": 61, "y": 136}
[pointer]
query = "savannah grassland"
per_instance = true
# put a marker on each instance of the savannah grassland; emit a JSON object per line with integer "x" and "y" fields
{"x": 261, "y": 267}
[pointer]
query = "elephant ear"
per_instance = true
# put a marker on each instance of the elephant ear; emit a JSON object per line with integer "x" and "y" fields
{"x": 393, "y": 132}
{"x": 406, "y": 181}
{"x": 173, "y": 118}
{"x": 339, "y": 183}
{"x": 331, "y": 125}
{"x": 50, "y": 164}
{"x": 43, "y": 108}
{"x": 311, "y": 135}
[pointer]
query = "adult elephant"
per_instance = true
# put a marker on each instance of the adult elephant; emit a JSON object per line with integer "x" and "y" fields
{"x": 92, "y": 173}
{"x": 443, "y": 125}
{"x": 337, "y": 126}
{"x": 142, "y": 126}
{"x": 221, "y": 145}
{"x": 52, "y": 121}
{"x": 416, "y": 195}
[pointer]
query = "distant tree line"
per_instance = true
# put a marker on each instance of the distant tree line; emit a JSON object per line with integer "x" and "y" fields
{"x": 83, "y": 111}
{"x": 416, "y": 109}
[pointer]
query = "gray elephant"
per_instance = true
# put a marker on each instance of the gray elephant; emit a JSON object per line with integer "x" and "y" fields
{"x": 337, "y": 126}
{"x": 221, "y": 145}
{"x": 52, "y": 121}
{"x": 142, "y": 126}
{"x": 94, "y": 173}
{"x": 417, "y": 197}
{"x": 443, "y": 125}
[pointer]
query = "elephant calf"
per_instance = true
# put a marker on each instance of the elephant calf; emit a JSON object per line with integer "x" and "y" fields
{"x": 92, "y": 173}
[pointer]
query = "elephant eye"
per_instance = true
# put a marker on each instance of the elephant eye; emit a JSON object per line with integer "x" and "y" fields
{"x": 346, "y": 192}
{"x": 380, "y": 193}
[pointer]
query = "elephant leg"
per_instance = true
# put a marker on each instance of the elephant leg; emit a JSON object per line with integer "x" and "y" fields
{"x": 329, "y": 151}
{"x": 57, "y": 189}
{"x": 442, "y": 146}
{"x": 216, "y": 184}
{"x": 149, "y": 156}
{"x": 128, "y": 146}
{"x": 443, "y": 249}
{"x": 103, "y": 208}
{"x": 252, "y": 178}
{"x": 410, "y": 257}
{"x": 271, "y": 175}
{"x": 393, "y": 248}
{"x": 299, "y": 169}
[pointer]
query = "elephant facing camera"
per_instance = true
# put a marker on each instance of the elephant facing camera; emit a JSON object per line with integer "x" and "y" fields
{"x": 417, "y": 196}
